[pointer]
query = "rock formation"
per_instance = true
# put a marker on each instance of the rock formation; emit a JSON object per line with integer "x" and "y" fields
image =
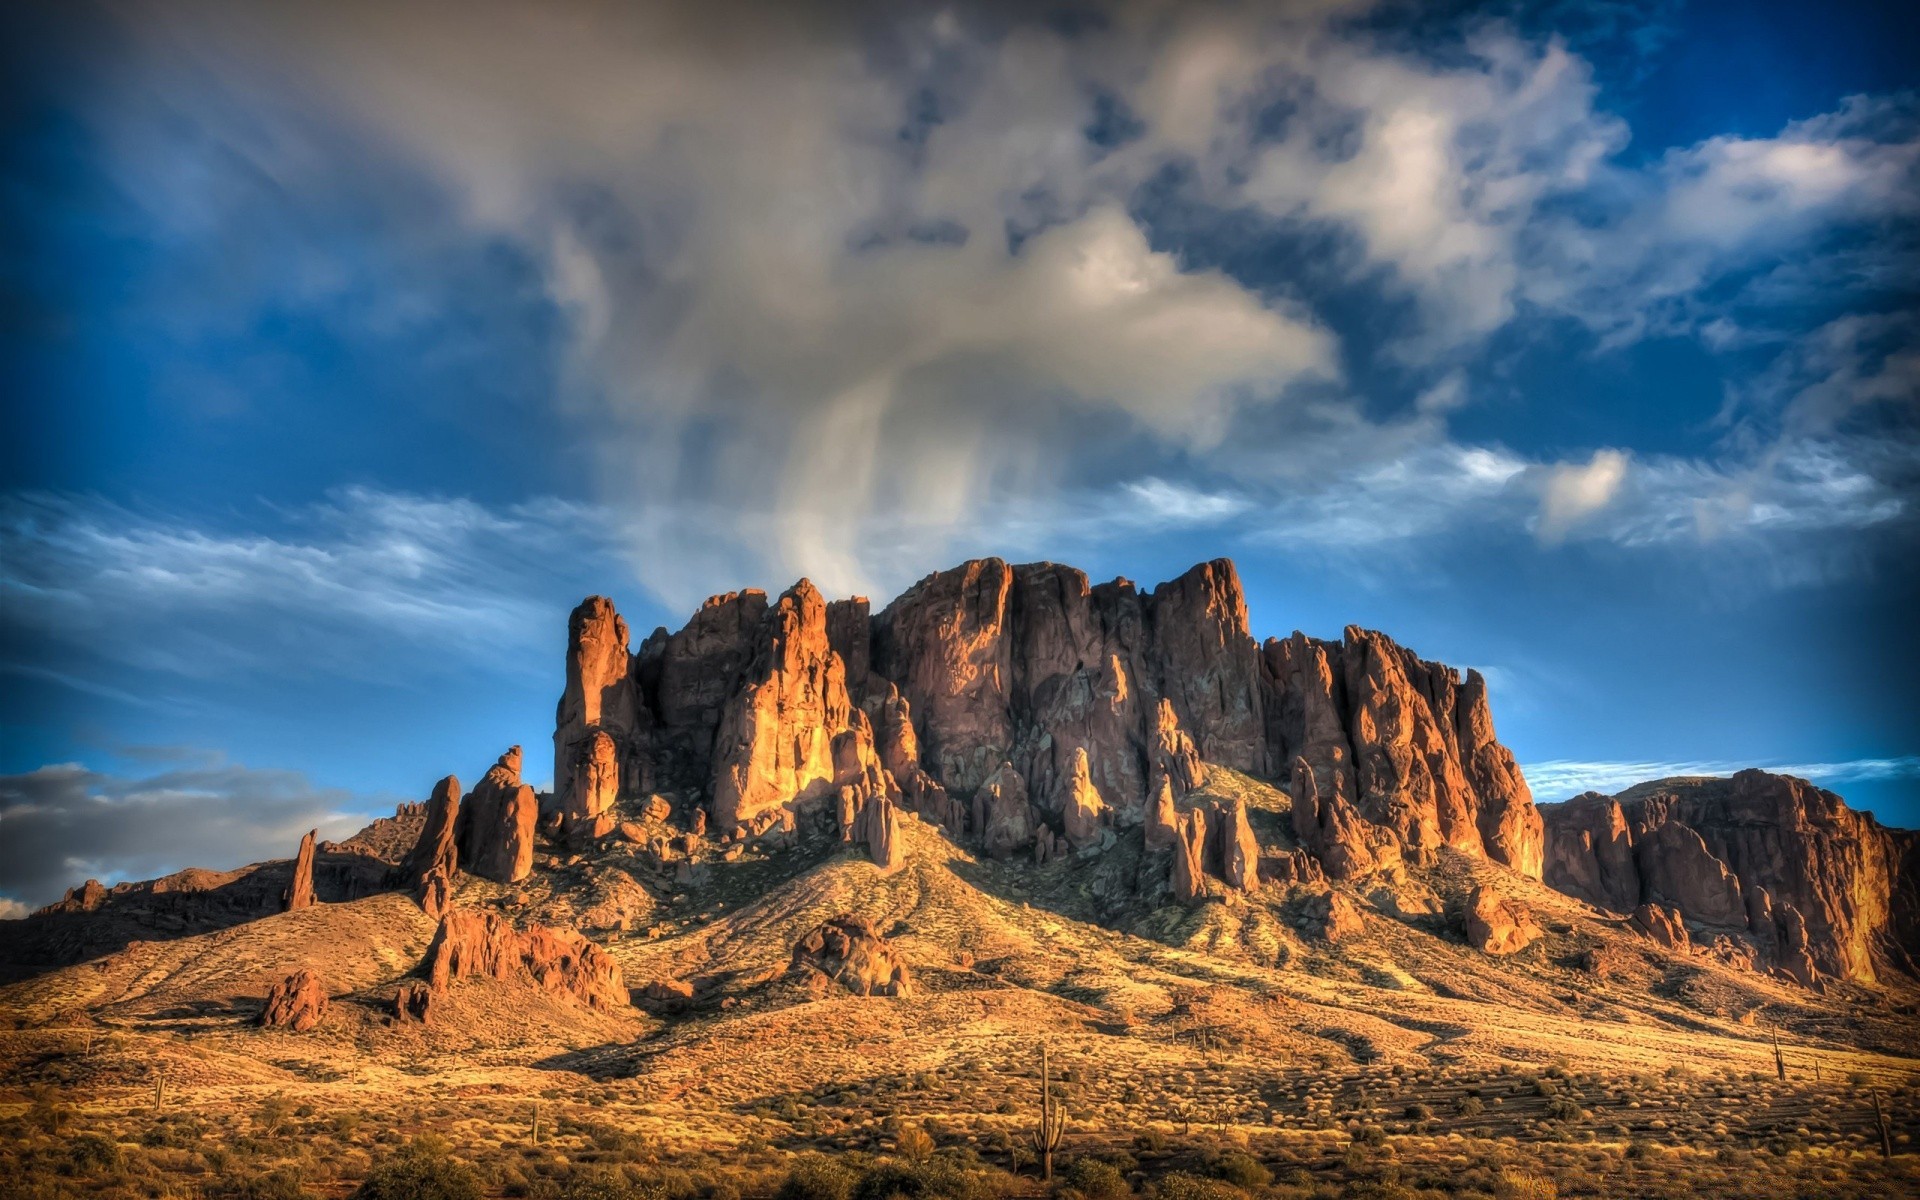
{"x": 848, "y": 951}
{"x": 429, "y": 868}
{"x": 774, "y": 745}
{"x": 1330, "y": 916}
{"x": 1662, "y": 924}
{"x": 1239, "y": 851}
{"x": 599, "y": 695}
{"x": 586, "y": 807}
{"x": 1189, "y": 856}
{"x": 1028, "y": 698}
{"x": 559, "y": 961}
{"x": 1498, "y": 925}
{"x": 495, "y": 827}
{"x": 296, "y": 1002}
{"x": 300, "y": 891}
{"x": 1775, "y": 866}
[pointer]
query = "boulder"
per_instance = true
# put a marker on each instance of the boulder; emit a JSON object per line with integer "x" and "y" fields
{"x": 1330, "y": 916}
{"x": 296, "y": 1002}
{"x": 849, "y": 952}
{"x": 558, "y": 961}
{"x": 299, "y": 893}
{"x": 1239, "y": 851}
{"x": 1662, "y": 924}
{"x": 1497, "y": 924}
{"x": 1002, "y": 814}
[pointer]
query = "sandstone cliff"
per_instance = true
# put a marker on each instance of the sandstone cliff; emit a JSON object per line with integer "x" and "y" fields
{"x": 1770, "y": 865}
{"x": 1031, "y": 711}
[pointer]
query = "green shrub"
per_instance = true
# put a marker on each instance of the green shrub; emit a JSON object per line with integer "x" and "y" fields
{"x": 1181, "y": 1186}
{"x": 1096, "y": 1179}
{"x": 815, "y": 1177}
{"x": 283, "y": 1184}
{"x": 1241, "y": 1170}
{"x": 423, "y": 1171}
{"x": 91, "y": 1154}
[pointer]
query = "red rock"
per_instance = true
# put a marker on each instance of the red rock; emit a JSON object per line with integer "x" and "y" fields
{"x": 1662, "y": 924}
{"x": 495, "y": 826}
{"x": 296, "y": 1002}
{"x": 1163, "y": 817}
{"x": 1239, "y": 851}
{"x": 1176, "y": 758}
{"x": 413, "y": 1002}
{"x": 594, "y": 787}
{"x": 600, "y": 694}
{"x": 1331, "y": 917}
{"x": 850, "y": 952}
{"x": 1208, "y": 666}
{"x": 1084, "y": 808}
{"x": 774, "y": 747}
{"x": 1589, "y": 853}
{"x": 428, "y": 870}
{"x": 299, "y": 893}
{"x": 1189, "y": 856}
{"x": 1768, "y": 869}
{"x": 878, "y": 827}
{"x": 1497, "y": 924}
{"x": 1002, "y": 814}
{"x": 559, "y": 961}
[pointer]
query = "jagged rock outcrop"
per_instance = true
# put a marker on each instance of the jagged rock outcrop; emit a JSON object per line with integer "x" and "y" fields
{"x": 878, "y": 828}
{"x": 848, "y": 951}
{"x": 296, "y": 1002}
{"x": 558, "y": 961}
{"x": 1330, "y": 917}
{"x": 1083, "y": 809}
{"x": 1769, "y": 865}
{"x": 1082, "y": 690}
{"x": 599, "y": 695}
{"x": 774, "y": 747}
{"x": 1662, "y": 924}
{"x": 428, "y": 871}
{"x": 1002, "y": 814}
{"x": 1497, "y": 924}
{"x": 586, "y": 807}
{"x": 300, "y": 892}
{"x": 1189, "y": 856}
{"x": 496, "y": 823}
{"x": 1239, "y": 851}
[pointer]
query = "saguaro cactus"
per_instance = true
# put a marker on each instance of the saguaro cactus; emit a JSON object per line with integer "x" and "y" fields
{"x": 1880, "y": 1119}
{"x": 1053, "y": 1121}
{"x": 1779, "y": 1060}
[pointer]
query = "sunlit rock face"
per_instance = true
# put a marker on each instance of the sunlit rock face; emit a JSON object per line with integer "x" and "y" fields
{"x": 1029, "y": 710}
{"x": 1809, "y": 886}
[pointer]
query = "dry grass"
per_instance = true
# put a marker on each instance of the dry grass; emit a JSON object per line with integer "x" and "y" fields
{"x": 1191, "y": 1047}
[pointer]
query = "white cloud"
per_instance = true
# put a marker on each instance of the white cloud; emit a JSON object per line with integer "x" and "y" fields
{"x": 839, "y": 281}
{"x": 1562, "y": 779}
{"x": 338, "y": 579}
{"x": 1570, "y": 492}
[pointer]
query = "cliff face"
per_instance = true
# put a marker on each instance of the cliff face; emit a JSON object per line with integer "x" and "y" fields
{"x": 1775, "y": 866}
{"x": 1027, "y": 708}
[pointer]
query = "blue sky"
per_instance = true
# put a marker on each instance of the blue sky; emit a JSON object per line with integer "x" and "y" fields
{"x": 348, "y": 345}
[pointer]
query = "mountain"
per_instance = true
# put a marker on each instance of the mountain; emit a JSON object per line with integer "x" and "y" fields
{"x": 813, "y": 876}
{"x": 1766, "y": 870}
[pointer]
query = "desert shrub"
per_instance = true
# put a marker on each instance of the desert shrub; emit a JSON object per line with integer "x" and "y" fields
{"x": 1370, "y": 1135}
{"x": 1562, "y": 1108}
{"x": 45, "y": 1110}
{"x": 815, "y": 1177}
{"x": 283, "y": 1184}
{"x": 937, "y": 1177}
{"x": 1470, "y": 1106}
{"x": 91, "y": 1154}
{"x": 1181, "y": 1186}
{"x": 1515, "y": 1184}
{"x": 422, "y": 1171}
{"x": 915, "y": 1143}
{"x": 1419, "y": 1112}
{"x": 1241, "y": 1170}
{"x": 1096, "y": 1179}
{"x": 1150, "y": 1142}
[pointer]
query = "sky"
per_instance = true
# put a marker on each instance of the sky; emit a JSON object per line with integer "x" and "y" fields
{"x": 347, "y": 345}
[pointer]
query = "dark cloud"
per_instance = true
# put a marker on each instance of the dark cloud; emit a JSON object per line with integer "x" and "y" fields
{"x": 62, "y": 824}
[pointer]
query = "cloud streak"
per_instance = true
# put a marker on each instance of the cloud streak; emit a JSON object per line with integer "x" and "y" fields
{"x": 1562, "y": 779}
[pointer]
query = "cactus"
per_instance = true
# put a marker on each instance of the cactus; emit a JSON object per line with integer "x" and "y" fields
{"x": 1053, "y": 1121}
{"x": 1880, "y": 1119}
{"x": 160, "y": 1091}
{"x": 536, "y": 1122}
{"x": 1779, "y": 1061}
